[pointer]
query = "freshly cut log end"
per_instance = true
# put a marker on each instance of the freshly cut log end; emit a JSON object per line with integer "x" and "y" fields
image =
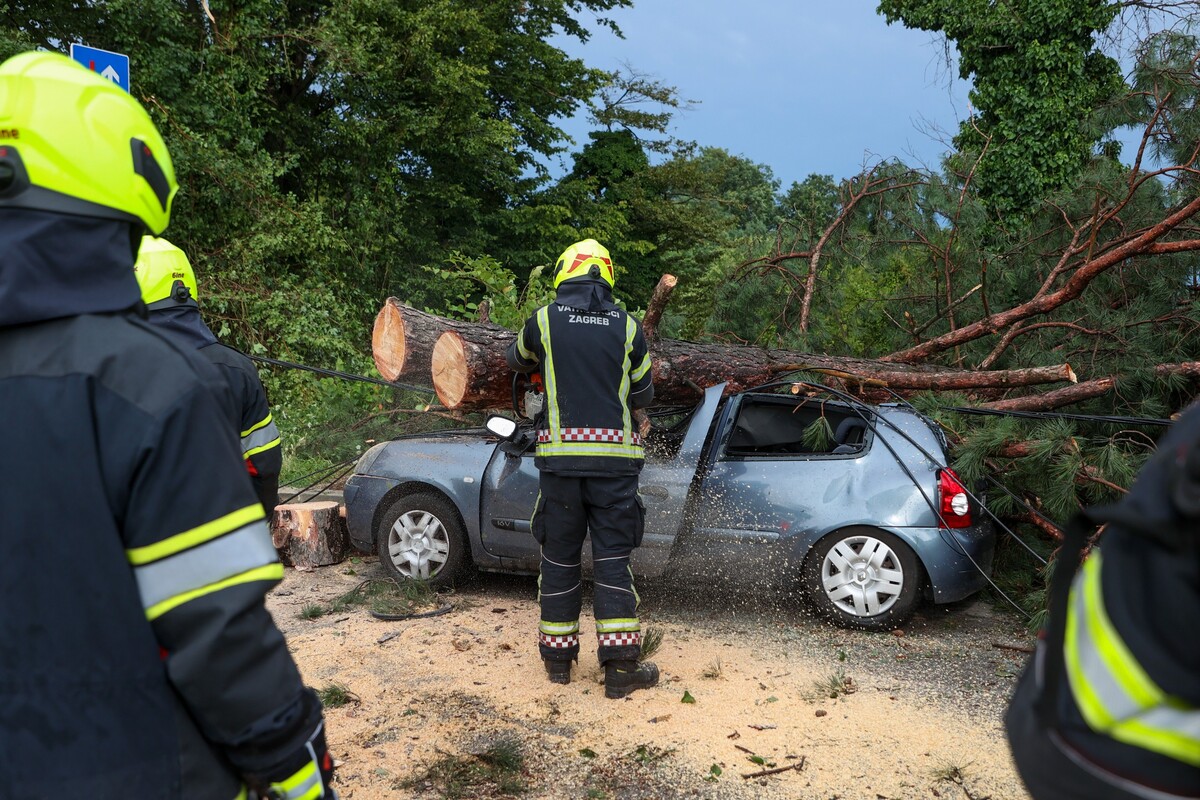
{"x": 387, "y": 340}
{"x": 310, "y": 534}
{"x": 469, "y": 369}
{"x": 450, "y": 372}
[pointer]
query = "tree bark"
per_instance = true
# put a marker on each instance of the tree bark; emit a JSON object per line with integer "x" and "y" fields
{"x": 470, "y": 373}
{"x": 469, "y": 369}
{"x": 403, "y": 339}
{"x": 310, "y": 534}
{"x": 1086, "y": 390}
{"x": 658, "y": 302}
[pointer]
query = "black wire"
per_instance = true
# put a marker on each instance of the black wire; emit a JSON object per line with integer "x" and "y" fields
{"x": 334, "y": 373}
{"x": 348, "y": 464}
{"x": 1099, "y": 418}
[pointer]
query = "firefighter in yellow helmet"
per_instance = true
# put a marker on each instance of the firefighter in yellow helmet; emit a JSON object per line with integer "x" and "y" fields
{"x": 148, "y": 666}
{"x": 1108, "y": 707}
{"x": 170, "y": 294}
{"x": 596, "y": 371}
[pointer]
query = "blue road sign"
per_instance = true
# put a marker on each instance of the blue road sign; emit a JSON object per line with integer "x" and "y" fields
{"x": 105, "y": 63}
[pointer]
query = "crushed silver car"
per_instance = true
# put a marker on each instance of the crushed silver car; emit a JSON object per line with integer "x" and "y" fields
{"x": 852, "y": 504}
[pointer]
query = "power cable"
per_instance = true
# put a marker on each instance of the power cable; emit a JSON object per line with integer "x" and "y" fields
{"x": 344, "y": 466}
{"x": 1099, "y": 418}
{"x": 334, "y": 373}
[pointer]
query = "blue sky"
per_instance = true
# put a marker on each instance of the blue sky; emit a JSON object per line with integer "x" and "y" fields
{"x": 798, "y": 85}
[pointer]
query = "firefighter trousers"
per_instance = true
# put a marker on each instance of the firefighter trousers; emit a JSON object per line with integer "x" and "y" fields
{"x": 568, "y": 509}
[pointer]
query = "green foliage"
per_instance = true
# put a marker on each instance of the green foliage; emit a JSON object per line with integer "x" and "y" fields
{"x": 652, "y": 639}
{"x": 336, "y": 695}
{"x": 467, "y": 281}
{"x": 496, "y": 772}
{"x": 1037, "y": 79}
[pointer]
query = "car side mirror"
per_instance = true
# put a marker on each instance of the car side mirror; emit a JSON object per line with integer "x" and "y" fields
{"x": 501, "y": 426}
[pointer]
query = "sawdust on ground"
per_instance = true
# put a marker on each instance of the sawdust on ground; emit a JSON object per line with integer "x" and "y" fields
{"x": 856, "y": 715}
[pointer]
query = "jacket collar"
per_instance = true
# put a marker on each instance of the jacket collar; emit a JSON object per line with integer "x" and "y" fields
{"x": 59, "y": 265}
{"x": 586, "y": 294}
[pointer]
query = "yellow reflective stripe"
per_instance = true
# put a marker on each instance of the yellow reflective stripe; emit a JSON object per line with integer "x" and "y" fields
{"x": 215, "y": 560}
{"x": 548, "y": 379}
{"x": 591, "y": 449}
{"x": 261, "y": 424}
{"x": 241, "y": 795}
{"x": 637, "y": 598}
{"x": 618, "y": 625}
{"x": 198, "y": 535}
{"x": 1114, "y": 693}
{"x": 255, "y": 451}
{"x": 525, "y": 352}
{"x": 259, "y": 439}
{"x": 623, "y": 392}
{"x": 303, "y": 784}
{"x": 1121, "y": 663}
{"x": 558, "y": 628}
{"x": 271, "y": 572}
{"x": 640, "y": 371}
{"x": 1150, "y": 734}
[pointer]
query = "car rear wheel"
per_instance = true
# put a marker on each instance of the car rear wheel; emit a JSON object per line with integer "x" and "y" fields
{"x": 420, "y": 538}
{"x": 863, "y": 578}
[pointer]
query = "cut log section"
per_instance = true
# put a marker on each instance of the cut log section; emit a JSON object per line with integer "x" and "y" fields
{"x": 310, "y": 534}
{"x": 403, "y": 338}
{"x": 470, "y": 370}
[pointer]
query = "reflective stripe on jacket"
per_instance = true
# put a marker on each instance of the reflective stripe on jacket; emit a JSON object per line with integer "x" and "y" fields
{"x": 1111, "y": 689}
{"x": 260, "y": 436}
{"x": 595, "y": 367}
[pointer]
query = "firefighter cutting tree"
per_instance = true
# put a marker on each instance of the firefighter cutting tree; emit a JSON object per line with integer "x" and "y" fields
{"x": 595, "y": 369}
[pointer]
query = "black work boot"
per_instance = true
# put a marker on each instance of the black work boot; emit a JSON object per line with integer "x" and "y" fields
{"x": 621, "y": 678}
{"x": 559, "y": 671}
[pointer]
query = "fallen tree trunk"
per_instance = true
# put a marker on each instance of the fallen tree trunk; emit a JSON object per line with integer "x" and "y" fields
{"x": 469, "y": 370}
{"x": 465, "y": 363}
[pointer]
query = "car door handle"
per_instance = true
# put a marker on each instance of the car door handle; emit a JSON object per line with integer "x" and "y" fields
{"x": 657, "y": 492}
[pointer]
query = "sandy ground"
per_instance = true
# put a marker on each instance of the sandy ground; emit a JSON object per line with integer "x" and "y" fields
{"x": 916, "y": 713}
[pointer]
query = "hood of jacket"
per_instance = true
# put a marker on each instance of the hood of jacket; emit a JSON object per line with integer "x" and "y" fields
{"x": 586, "y": 294}
{"x": 183, "y": 323}
{"x": 59, "y": 265}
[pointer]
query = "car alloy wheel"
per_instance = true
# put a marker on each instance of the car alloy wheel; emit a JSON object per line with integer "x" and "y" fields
{"x": 863, "y": 578}
{"x": 418, "y": 544}
{"x": 420, "y": 538}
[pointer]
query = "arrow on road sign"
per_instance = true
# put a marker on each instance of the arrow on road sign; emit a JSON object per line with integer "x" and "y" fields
{"x": 111, "y": 74}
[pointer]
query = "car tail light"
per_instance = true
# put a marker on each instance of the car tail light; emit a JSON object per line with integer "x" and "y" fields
{"x": 953, "y": 500}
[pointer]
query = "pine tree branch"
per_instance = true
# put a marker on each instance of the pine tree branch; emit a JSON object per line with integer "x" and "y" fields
{"x": 1140, "y": 244}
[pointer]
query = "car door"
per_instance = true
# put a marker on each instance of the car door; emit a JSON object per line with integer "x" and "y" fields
{"x": 769, "y": 488}
{"x": 510, "y": 490}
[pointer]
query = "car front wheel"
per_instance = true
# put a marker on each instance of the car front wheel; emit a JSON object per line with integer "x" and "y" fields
{"x": 420, "y": 538}
{"x": 862, "y": 578}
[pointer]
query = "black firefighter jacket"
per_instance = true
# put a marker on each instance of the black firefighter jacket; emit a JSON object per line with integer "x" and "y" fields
{"x": 136, "y": 657}
{"x": 596, "y": 369}
{"x": 259, "y": 435}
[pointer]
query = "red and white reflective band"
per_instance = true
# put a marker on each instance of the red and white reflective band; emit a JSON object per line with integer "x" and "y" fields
{"x": 589, "y": 435}
{"x": 620, "y": 639}
{"x": 559, "y": 642}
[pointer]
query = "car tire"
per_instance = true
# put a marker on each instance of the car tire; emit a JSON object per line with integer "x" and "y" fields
{"x": 862, "y": 578}
{"x": 420, "y": 537}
